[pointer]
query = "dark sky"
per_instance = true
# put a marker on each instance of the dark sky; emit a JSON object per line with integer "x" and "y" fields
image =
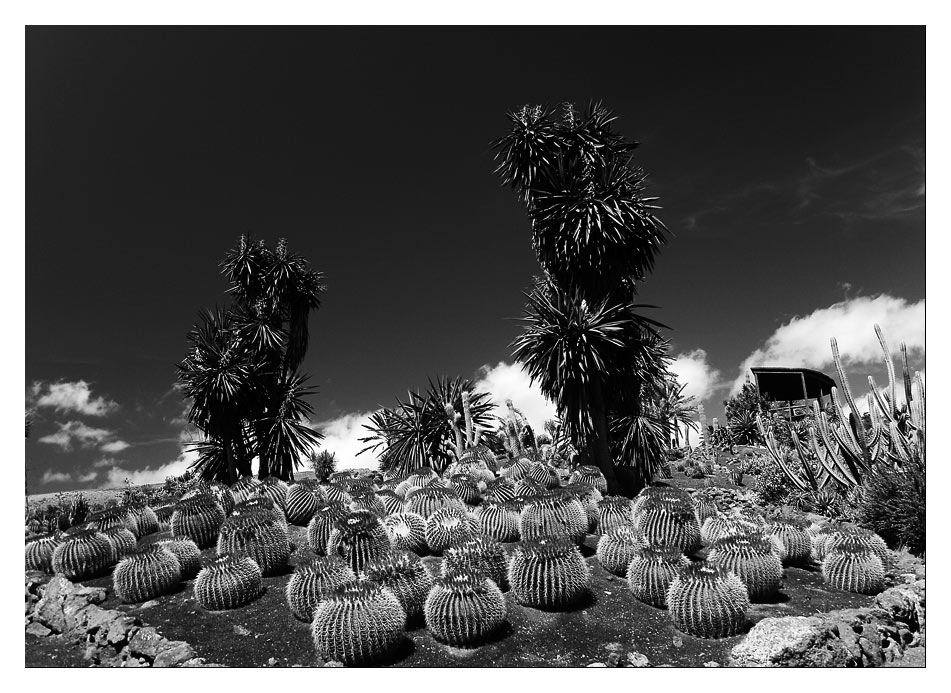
{"x": 789, "y": 163}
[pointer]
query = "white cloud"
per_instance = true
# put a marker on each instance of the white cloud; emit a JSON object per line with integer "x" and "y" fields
{"x": 700, "y": 379}
{"x": 76, "y": 432}
{"x": 342, "y": 437}
{"x": 508, "y": 381}
{"x": 116, "y": 476}
{"x": 51, "y": 477}
{"x": 115, "y": 446}
{"x": 106, "y": 462}
{"x": 86, "y": 478}
{"x": 71, "y": 397}
{"x": 804, "y": 341}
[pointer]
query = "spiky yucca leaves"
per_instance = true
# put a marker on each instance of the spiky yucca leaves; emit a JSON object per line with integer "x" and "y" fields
{"x": 618, "y": 547}
{"x": 591, "y": 475}
{"x": 553, "y": 515}
{"x": 146, "y": 522}
{"x": 275, "y": 489}
{"x": 228, "y": 582}
{"x": 614, "y": 511}
{"x": 708, "y": 602}
{"x": 198, "y": 519}
{"x": 163, "y": 514}
{"x": 313, "y": 579}
{"x": 651, "y": 571}
{"x": 187, "y": 553}
{"x": 82, "y": 555}
{"x": 407, "y": 532}
{"x": 753, "y": 559}
{"x": 119, "y": 516}
{"x": 359, "y": 623}
{"x": 721, "y": 526}
{"x": 549, "y": 574}
{"x": 39, "y": 551}
{"x": 122, "y": 540}
{"x": 465, "y": 488}
{"x": 392, "y": 504}
{"x": 589, "y": 497}
{"x": 794, "y": 543}
{"x": 481, "y": 555}
{"x": 243, "y": 488}
{"x": 301, "y": 502}
{"x": 448, "y": 526}
{"x": 145, "y": 574}
{"x": 322, "y": 524}
{"x": 358, "y": 538}
{"x": 404, "y": 575}
{"x": 500, "y": 490}
{"x": 258, "y": 534}
{"x": 668, "y": 520}
{"x": 853, "y": 567}
{"x": 464, "y": 608}
{"x": 863, "y": 537}
{"x": 427, "y": 500}
{"x": 544, "y": 475}
{"x": 367, "y": 500}
{"x": 498, "y": 521}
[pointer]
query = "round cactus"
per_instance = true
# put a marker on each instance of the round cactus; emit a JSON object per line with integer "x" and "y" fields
{"x": 111, "y": 518}
{"x": 427, "y": 500}
{"x": 869, "y": 540}
{"x": 544, "y": 475}
{"x": 820, "y": 534}
{"x": 342, "y": 474}
{"x": 322, "y": 524}
{"x": 243, "y": 488}
{"x": 228, "y": 582}
{"x": 517, "y": 471}
{"x": 708, "y": 602}
{"x": 258, "y": 534}
{"x": 359, "y": 623}
{"x": 481, "y": 555}
{"x": 367, "y": 500}
{"x": 617, "y": 548}
{"x": 464, "y": 608}
{"x": 793, "y": 541}
{"x": 407, "y": 532}
{"x": 335, "y": 493}
{"x": 145, "y": 574}
{"x": 275, "y": 489}
{"x": 83, "y": 554}
{"x": 187, "y": 553}
{"x": 405, "y": 487}
{"x": 392, "y": 504}
{"x": 465, "y": 488}
{"x": 614, "y": 511}
{"x": 448, "y": 526}
{"x": 498, "y": 521}
{"x": 554, "y": 515}
{"x": 122, "y": 540}
{"x": 358, "y": 485}
{"x": 591, "y": 475}
{"x": 39, "y": 551}
{"x": 667, "y": 496}
{"x": 500, "y": 490}
{"x": 146, "y": 522}
{"x": 721, "y": 526}
{"x": 261, "y": 503}
{"x": 853, "y": 567}
{"x": 313, "y": 579}
{"x": 358, "y": 538}
{"x": 548, "y": 574}
{"x": 669, "y": 521}
{"x": 163, "y": 514}
{"x": 651, "y": 571}
{"x": 527, "y": 486}
{"x": 198, "y": 519}
{"x": 589, "y": 497}
{"x": 753, "y": 560}
{"x": 421, "y": 476}
{"x": 704, "y": 508}
{"x": 404, "y": 575}
{"x": 301, "y": 502}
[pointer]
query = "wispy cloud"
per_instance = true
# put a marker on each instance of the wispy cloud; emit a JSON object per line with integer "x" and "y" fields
{"x": 77, "y": 433}
{"x": 115, "y": 446}
{"x": 70, "y": 397}
{"x": 51, "y": 477}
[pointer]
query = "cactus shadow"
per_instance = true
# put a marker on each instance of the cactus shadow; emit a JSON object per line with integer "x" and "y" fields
{"x": 587, "y": 551}
{"x": 775, "y": 598}
{"x": 405, "y": 650}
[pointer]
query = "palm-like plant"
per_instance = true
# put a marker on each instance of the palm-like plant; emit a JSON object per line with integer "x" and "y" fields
{"x": 678, "y": 409}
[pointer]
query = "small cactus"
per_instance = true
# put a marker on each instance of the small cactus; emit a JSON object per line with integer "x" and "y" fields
{"x": 358, "y": 538}
{"x": 358, "y": 623}
{"x": 549, "y": 574}
{"x": 145, "y": 574}
{"x": 198, "y": 519}
{"x": 146, "y": 522}
{"x": 259, "y": 535}
{"x": 708, "y": 602}
{"x": 301, "y": 502}
{"x": 753, "y": 560}
{"x": 614, "y": 511}
{"x": 591, "y": 475}
{"x": 313, "y": 579}
{"x": 793, "y": 541}
{"x": 554, "y": 515}
{"x": 481, "y": 555}
{"x": 39, "y": 552}
{"x": 498, "y": 521}
{"x": 322, "y": 524}
{"x": 187, "y": 553}
{"x": 853, "y": 567}
{"x": 464, "y": 608}
{"x": 83, "y": 554}
{"x": 407, "y": 532}
{"x": 122, "y": 540}
{"x": 427, "y": 500}
{"x": 618, "y": 547}
{"x": 404, "y": 575}
{"x": 651, "y": 571}
{"x": 668, "y": 520}
{"x": 447, "y": 526}
{"x": 392, "y": 504}
{"x": 228, "y": 582}
{"x": 500, "y": 490}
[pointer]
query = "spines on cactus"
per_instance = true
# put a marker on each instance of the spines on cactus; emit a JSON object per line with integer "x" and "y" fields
{"x": 187, "y": 553}
{"x": 261, "y": 503}
{"x": 367, "y": 500}
{"x": 228, "y": 582}
{"x": 464, "y": 608}
{"x": 313, "y": 579}
{"x": 527, "y": 486}
{"x": 163, "y": 514}
{"x": 708, "y": 602}
{"x": 119, "y": 516}
{"x": 83, "y": 554}
{"x": 544, "y": 475}
{"x": 243, "y": 488}
{"x": 146, "y": 573}
{"x": 198, "y": 519}
{"x": 500, "y": 490}
{"x": 853, "y": 567}
{"x": 427, "y": 500}
{"x": 146, "y": 522}
{"x": 392, "y": 504}
{"x": 865, "y": 538}
{"x": 554, "y": 514}
{"x": 618, "y": 547}
{"x": 406, "y": 576}
{"x": 483, "y": 555}
{"x": 666, "y": 495}
{"x": 465, "y": 488}
{"x": 275, "y": 489}
{"x": 589, "y": 497}
{"x": 591, "y": 475}
{"x": 301, "y": 502}
{"x": 517, "y": 471}
{"x": 358, "y": 538}
{"x": 614, "y": 511}
{"x": 549, "y": 574}
{"x": 721, "y": 526}
{"x": 322, "y": 524}
{"x": 793, "y": 541}
{"x": 448, "y": 526}
{"x": 753, "y": 560}
{"x": 651, "y": 571}
{"x": 498, "y": 520}
{"x": 335, "y": 493}
{"x": 122, "y": 540}
{"x": 407, "y": 532}
{"x": 704, "y": 508}
{"x": 39, "y": 551}
{"x": 668, "y": 520}
{"x": 258, "y": 534}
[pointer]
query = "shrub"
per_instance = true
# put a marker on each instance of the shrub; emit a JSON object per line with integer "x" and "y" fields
{"x": 228, "y": 582}
{"x": 892, "y": 504}
{"x": 464, "y": 608}
{"x": 771, "y": 486}
{"x": 323, "y": 463}
{"x": 146, "y": 574}
{"x": 359, "y": 623}
{"x": 313, "y": 579}
{"x": 708, "y": 602}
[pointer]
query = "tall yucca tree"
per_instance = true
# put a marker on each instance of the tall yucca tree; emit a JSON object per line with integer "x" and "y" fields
{"x": 679, "y": 409}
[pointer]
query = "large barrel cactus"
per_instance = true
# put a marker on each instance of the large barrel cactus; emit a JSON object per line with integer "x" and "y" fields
{"x": 313, "y": 579}
{"x": 302, "y": 501}
{"x": 793, "y": 542}
{"x": 82, "y": 555}
{"x": 527, "y": 486}
{"x": 163, "y": 514}
{"x": 464, "y": 608}
{"x": 853, "y": 567}
{"x": 110, "y": 518}
{"x": 146, "y": 573}
{"x": 549, "y": 574}
{"x": 322, "y": 524}
{"x": 544, "y": 475}
{"x": 704, "y": 508}
{"x": 614, "y": 511}
{"x": 591, "y": 475}
{"x": 589, "y": 497}
{"x": 122, "y": 540}
{"x": 335, "y": 493}
{"x": 752, "y": 558}
{"x": 617, "y": 548}
{"x": 261, "y": 503}
{"x": 448, "y": 526}
{"x": 198, "y": 519}
{"x": 275, "y": 489}
{"x": 358, "y": 538}
{"x": 480, "y": 555}
{"x": 428, "y": 499}
{"x": 651, "y": 571}
{"x": 556, "y": 515}
{"x": 39, "y": 551}
{"x": 258, "y": 534}
{"x": 146, "y": 522}
{"x": 708, "y": 602}
{"x": 465, "y": 488}
{"x": 518, "y": 470}
{"x": 187, "y": 553}
{"x": 392, "y": 504}
{"x": 668, "y": 520}
{"x": 667, "y": 495}
{"x": 359, "y": 623}
{"x": 865, "y": 538}
{"x": 243, "y": 488}
{"x": 228, "y": 582}
{"x": 500, "y": 490}
{"x": 367, "y": 500}
{"x": 498, "y": 520}
{"x": 404, "y": 575}
{"x": 407, "y": 532}
{"x": 721, "y": 526}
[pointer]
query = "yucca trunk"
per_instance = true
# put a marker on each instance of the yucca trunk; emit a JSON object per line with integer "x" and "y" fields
{"x": 599, "y": 445}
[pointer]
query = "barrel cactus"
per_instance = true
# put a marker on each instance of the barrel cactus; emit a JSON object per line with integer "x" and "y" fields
{"x": 665, "y": 495}
{"x": 427, "y": 500}
{"x": 275, "y": 489}
{"x": 243, "y": 488}
{"x": 261, "y": 503}
{"x": 163, "y": 514}
{"x": 187, "y": 553}
{"x": 82, "y": 555}
{"x": 464, "y": 608}
{"x": 865, "y": 538}
{"x": 392, "y": 504}
{"x": 793, "y": 541}
{"x": 853, "y": 567}
{"x": 544, "y": 475}
{"x": 708, "y": 602}
{"x": 617, "y": 548}
{"x": 589, "y": 497}
{"x": 448, "y": 526}
{"x": 335, "y": 493}
{"x": 146, "y": 522}
{"x": 527, "y": 486}
{"x": 518, "y": 470}
{"x": 313, "y": 579}
{"x": 481, "y": 555}
{"x": 146, "y": 573}
{"x": 721, "y": 526}
{"x": 228, "y": 582}
{"x": 301, "y": 502}
{"x": 591, "y": 475}
{"x": 258, "y": 534}
{"x": 465, "y": 488}
{"x": 704, "y": 508}
{"x": 358, "y": 538}
{"x": 614, "y": 511}
{"x": 322, "y": 524}
{"x": 500, "y": 490}
{"x": 667, "y": 520}
{"x": 498, "y": 521}
{"x": 421, "y": 476}
{"x": 556, "y": 515}
{"x": 111, "y": 518}
{"x": 359, "y": 623}
{"x": 198, "y": 519}
{"x": 549, "y": 574}
{"x": 122, "y": 540}
{"x": 404, "y": 575}
{"x": 753, "y": 560}
{"x": 367, "y": 500}
{"x": 651, "y": 571}
{"x": 407, "y": 532}
{"x": 39, "y": 552}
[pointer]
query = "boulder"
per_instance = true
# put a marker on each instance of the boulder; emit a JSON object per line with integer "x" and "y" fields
{"x": 902, "y": 603}
{"x": 146, "y": 643}
{"x": 792, "y": 641}
{"x": 173, "y": 653}
{"x": 62, "y": 605}
{"x": 121, "y": 629}
{"x": 37, "y": 629}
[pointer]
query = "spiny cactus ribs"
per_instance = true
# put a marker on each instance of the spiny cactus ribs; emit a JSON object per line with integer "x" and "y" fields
{"x": 112, "y": 518}
{"x": 447, "y": 526}
{"x": 498, "y": 520}
{"x": 529, "y": 487}
{"x": 359, "y": 623}
{"x": 358, "y": 538}
{"x": 187, "y": 553}
{"x": 500, "y": 490}
{"x": 427, "y": 500}
{"x": 122, "y": 540}
{"x": 549, "y": 574}
{"x": 392, "y": 504}
{"x": 708, "y": 602}
{"x": 260, "y": 503}
{"x": 464, "y": 608}
{"x": 721, "y": 526}
{"x": 164, "y": 516}
{"x": 480, "y": 555}
{"x": 367, "y": 500}
{"x": 863, "y": 537}
{"x": 793, "y": 541}
{"x": 259, "y": 535}
{"x": 753, "y": 560}
{"x": 465, "y": 488}
{"x": 704, "y": 508}
{"x": 228, "y": 582}
{"x": 651, "y": 571}
{"x": 242, "y": 489}
{"x": 336, "y": 493}
{"x": 589, "y": 497}
{"x": 407, "y": 532}
{"x": 617, "y": 548}
{"x": 322, "y": 524}
{"x": 544, "y": 475}
{"x": 145, "y": 520}
{"x": 313, "y": 579}
{"x": 518, "y": 470}
{"x": 198, "y": 519}
{"x": 301, "y": 502}
{"x": 275, "y": 489}
{"x": 146, "y": 573}
{"x": 82, "y": 555}
{"x": 614, "y": 511}
{"x": 668, "y": 520}
{"x": 556, "y": 515}
{"x": 852, "y": 567}
{"x": 588, "y": 474}
{"x": 39, "y": 552}
{"x": 404, "y": 575}
{"x": 667, "y": 495}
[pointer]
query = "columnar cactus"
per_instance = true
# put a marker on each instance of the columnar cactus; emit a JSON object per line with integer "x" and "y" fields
{"x": 481, "y": 555}
{"x": 614, "y": 511}
{"x": 313, "y": 579}
{"x": 853, "y": 567}
{"x": 322, "y": 524}
{"x": 258, "y": 534}
{"x": 498, "y": 521}
{"x": 544, "y": 475}
{"x": 668, "y": 520}
{"x": 39, "y": 551}
{"x": 146, "y": 522}
{"x": 358, "y": 538}
{"x": 465, "y": 488}
{"x": 404, "y": 575}
{"x": 753, "y": 560}
{"x": 359, "y": 623}
{"x": 243, "y": 488}
{"x": 301, "y": 502}
{"x": 500, "y": 490}
{"x": 549, "y": 574}
{"x": 187, "y": 553}
{"x": 427, "y": 500}
{"x": 228, "y": 582}
{"x": 618, "y": 547}
{"x": 198, "y": 519}
{"x": 591, "y": 475}
{"x": 407, "y": 532}
{"x": 708, "y": 602}
{"x": 145, "y": 574}
{"x": 793, "y": 541}
{"x": 83, "y": 554}
{"x": 651, "y": 571}
{"x": 392, "y": 504}
{"x": 447, "y": 526}
{"x": 464, "y": 608}
{"x": 122, "y": 540}
{"x": 555, "y": 515}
